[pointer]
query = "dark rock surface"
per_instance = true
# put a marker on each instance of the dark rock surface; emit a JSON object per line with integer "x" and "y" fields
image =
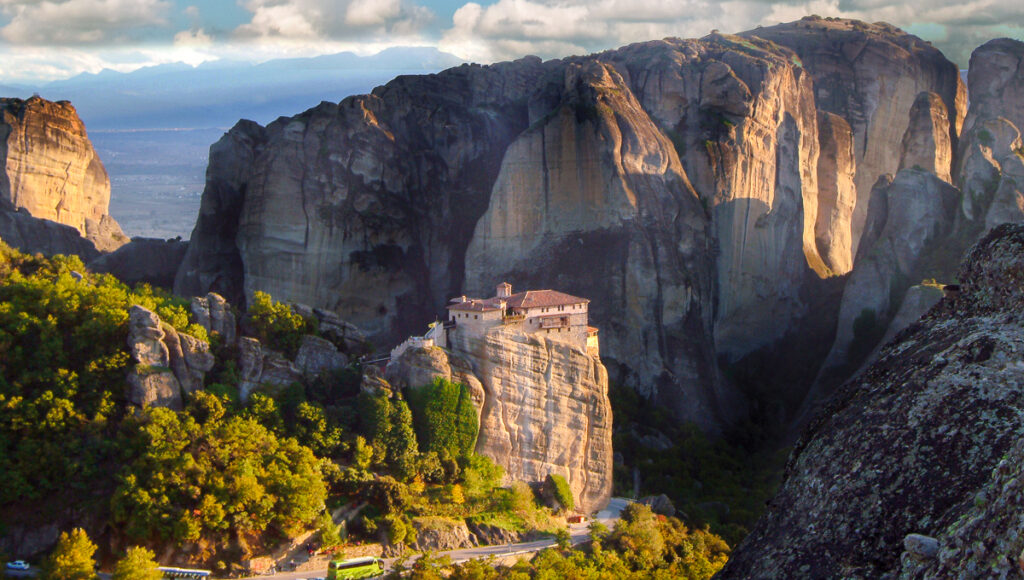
{"x": 925, "y": 441}
{"x": 148, "y": 260}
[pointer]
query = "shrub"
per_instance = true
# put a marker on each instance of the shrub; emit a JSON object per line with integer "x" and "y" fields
{"x": 137, "y": 564}
{"x": 276, "y": 325}
{"x": 560, "y": 491}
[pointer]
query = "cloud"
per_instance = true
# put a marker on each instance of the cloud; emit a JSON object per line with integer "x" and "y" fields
{"x": 307, "y": 20}
{"x": 80, "y": 22}
{"x": 508, "y": 29}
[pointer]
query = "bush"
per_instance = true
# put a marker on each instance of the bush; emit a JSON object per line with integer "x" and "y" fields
{"x": 559, "y": 489}
{"x": 275, "y": 324}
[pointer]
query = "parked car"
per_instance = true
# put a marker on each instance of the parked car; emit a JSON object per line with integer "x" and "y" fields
{"x": 17, "y": 565}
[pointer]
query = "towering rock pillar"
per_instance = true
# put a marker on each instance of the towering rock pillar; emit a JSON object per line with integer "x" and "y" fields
{"x": 51, "y": 170}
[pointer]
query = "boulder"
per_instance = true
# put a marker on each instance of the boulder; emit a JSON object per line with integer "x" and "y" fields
{"x": 317, "y": 355}
{"x": 920, "y": 546}
{"x": 660, "y": 504}
{"x": 145, "y": 338}
{"x": 441, "y": 534}
{"x": 154, "y": 387}
{"x": 250, "y": 366}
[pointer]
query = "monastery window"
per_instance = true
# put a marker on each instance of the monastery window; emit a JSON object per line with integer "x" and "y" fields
{"x": 476, "y": 316}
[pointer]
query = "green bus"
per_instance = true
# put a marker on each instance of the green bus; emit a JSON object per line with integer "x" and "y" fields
{"x": 366, "y": 567}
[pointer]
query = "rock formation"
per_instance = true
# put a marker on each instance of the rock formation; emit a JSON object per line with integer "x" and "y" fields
{"x": 927, "y": 142}
{"x": 166, "y": 363}
{"x": 143, "y": 260}
{"x": 909, "y": 222}
{"x": 543, "y": 405}
{"x": 20, "y": 230}
{"x": 871, "y": 75}
{"x": 990, "y": 164}
{"x": 700, "y": 192}
{"x": 837, "y": 192}
{"x": 926, "y": 441}
{"x": 52, "y": 171}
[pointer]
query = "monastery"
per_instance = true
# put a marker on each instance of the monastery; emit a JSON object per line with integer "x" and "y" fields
{"x": 557, "y": 315}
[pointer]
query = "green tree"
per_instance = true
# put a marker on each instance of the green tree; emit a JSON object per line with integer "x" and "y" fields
{"x": 275, "y": 324}
{"x": 445, "y": 418}
{"x": 72, "y": 559}
{"x": 562, "y": 539}
{"x": 638, "y": 537}
{"x": 401, "y": 441}
{"x": 138, "y": 564}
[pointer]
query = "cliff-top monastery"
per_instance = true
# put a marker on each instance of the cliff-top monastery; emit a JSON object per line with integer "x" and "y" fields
{"x": 557, "y": 315}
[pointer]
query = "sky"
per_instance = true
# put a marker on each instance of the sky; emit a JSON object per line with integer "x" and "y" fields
{"x": 43, "y": 40}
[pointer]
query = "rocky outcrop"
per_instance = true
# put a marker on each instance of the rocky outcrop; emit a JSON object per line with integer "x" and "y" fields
{"x": 441, "y": 534}
{"x": 28, "y": 234}
{"x": 52, "y": 171}
{"x": 925, "y": 441}
{"x": 166, "y": 363}
{"x": 543, "y": 405}
{"x": 927, "y": 143}
{"x": 837, "y": 192}
{"x": 680, "y": 185}
{"x": 318, "y": 355}
{"x": 904, "y": 242}
{"x": 213, "y": 313}
{"x": 871, "y": 75}
{"x": 143, "y": 260}
{"x": 991, "y": 159}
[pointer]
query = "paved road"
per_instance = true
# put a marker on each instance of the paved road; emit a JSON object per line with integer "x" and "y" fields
{"x": 578, "y": 533}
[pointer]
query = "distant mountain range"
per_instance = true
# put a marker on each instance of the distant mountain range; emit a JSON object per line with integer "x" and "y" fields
{"x": 219, "y": 93}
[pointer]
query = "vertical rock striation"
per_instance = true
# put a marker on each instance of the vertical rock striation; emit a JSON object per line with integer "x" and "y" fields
{"x": 51, "y": 170}
{"x": 837, "y": 192}
{"x": 871, "y": 75}
{"x": 543, "y": 405}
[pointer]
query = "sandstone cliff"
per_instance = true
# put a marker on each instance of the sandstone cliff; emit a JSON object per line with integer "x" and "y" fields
{"x": 922, "y": 442}
{"x": 52, "y": 171}
{"x": 702, "y": 193}
{"x": 990, "y": 167}
{"x": 871, "y": 75}
{"x": 543, "y": 405}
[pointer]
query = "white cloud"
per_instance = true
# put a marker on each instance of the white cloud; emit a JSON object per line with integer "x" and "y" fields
{"x": 552, "y": 28}
{"x": 304, "y": 20}
{"x": 79, "y": 22}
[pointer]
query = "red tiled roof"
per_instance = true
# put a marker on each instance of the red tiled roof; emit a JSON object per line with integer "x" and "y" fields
{"x": 474, "y": 305}
{"x": 542, "y": 299}
{"x": 528, "y": 299}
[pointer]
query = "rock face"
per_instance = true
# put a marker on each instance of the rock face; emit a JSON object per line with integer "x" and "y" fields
{"x": 990, "y": 159}
{"x": 543, "y": 405}
{"x": 167, "y": 363}
{"x": 927, "y": 142}
{"x": 699, "y": 192}
{"x": 20, "y": 230}
{"x": 837, "y": 192}
{"x": 908, "y": 224}
{"x": 926, "y": 441}
{"x": 52, "y": 171}
{"x": 151, "y": 261}
{"x": 871, "y": 75}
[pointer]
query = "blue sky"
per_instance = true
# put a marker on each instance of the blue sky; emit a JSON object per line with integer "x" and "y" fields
{"x": 50, "y": 39}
